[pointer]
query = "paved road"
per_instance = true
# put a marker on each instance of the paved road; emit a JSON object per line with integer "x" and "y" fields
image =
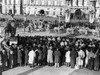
{"x": 45, "y": 70}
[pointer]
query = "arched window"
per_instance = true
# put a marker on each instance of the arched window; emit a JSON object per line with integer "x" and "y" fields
{"x": 49, "y": 3}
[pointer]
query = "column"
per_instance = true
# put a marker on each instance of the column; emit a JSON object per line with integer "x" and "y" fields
{"x": 80, "y": 2}
{"x": 42, "y": 2}
{"x": 83, "y": 2}
{"x": 8, "y": 1}
{"x": 3, "y": 2}
{"x": 74, "y": 3}
{"x": 49, "y": 2}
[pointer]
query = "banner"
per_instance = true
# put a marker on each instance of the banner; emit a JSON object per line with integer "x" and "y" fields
{"x": 67, "y": 16}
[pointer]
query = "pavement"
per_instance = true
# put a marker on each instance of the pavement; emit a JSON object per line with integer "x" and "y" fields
{"x": 46, "y": 70}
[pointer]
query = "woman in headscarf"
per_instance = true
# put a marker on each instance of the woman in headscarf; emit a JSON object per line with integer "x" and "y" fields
{"x": 57, "y": 55}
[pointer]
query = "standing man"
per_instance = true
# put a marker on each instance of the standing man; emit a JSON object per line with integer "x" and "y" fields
{"x": 32, "y": 56}
{"x": 57, "y": 55}
{"x": 73, "y": 57}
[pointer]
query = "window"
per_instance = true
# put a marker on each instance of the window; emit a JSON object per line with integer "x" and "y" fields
{"x": 60, "y": 9}
{"x": 47, "y": 8}
{"x": 49, "y": 3}
{"x": 54, "y": 8}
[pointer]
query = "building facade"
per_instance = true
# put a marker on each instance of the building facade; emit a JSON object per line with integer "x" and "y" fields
{"x": 52, "y": 8}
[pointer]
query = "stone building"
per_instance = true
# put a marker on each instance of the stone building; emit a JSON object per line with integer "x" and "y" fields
{"x": 52, "y": 8}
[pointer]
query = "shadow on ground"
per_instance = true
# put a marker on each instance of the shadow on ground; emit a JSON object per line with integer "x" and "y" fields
{"x": 31, "y": 70}
{"x": 85, "y": 72}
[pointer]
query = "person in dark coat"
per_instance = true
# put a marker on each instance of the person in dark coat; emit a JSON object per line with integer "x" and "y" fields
{"x": 44, "y": 55}
{"x": 4, "y": 59}
{"x": 96, "y": 61}
{"x": 26, "y": 56}
{"x": 91, "y": 60}
{"x": 14, "y": 49}
{"x": 11, "y": 58}
{"x": 19, "y": 57}
{"x": 73, "y": 55}
{"x": 57, "y": 55}
{"x": 40, "y": 57}
{"x": 0, "y": 62}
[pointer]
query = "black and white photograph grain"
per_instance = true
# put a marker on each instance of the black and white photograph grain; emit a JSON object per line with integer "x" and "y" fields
{"x": 49, "y": 37}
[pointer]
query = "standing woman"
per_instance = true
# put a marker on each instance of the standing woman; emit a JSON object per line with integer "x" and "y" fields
{"x": 50, "y": 56}
{"x": 57, "y": 55}
{"x": 67, "y": 55}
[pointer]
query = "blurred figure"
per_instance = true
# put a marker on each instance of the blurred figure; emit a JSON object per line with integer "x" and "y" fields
{"x": 26, "y": 56}
{"x": 40, "y": 57}
{"x": 4, "y": 59}
{"x": 87, "y": 58}
{"x": 0, "y": 62}
{"x": 50, "y": 57}
{"x": 81, "y": 56}
{"x": 91, "y": 60}
{"x": 67, "y": 55}
{"x": 73, "y": 55}
{"x": 32, "y": 56}
{"x": 19, "y": 57}
{"x": 97, "y": 61}
{"x": 57, "y": 55}
{"x": 11, "y": 58}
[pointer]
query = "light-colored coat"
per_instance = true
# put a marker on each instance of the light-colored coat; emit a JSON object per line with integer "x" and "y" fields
{"x": 67, "y": 55}
{"x": 31, "y": 57}
{"x": 50, "y": 56}
{"x": 81, "y": 55}
{"x": 87, "y": 57}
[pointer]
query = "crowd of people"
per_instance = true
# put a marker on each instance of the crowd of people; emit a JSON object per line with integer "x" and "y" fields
{"x": 52, "y": 51}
